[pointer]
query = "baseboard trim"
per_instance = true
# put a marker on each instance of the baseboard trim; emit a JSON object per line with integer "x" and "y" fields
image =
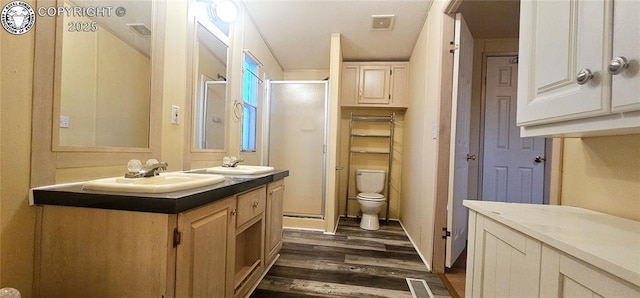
{"x": 424, "y": 260}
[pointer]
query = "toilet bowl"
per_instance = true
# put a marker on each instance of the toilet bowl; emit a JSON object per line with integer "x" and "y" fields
{"x": 369, "y": 184}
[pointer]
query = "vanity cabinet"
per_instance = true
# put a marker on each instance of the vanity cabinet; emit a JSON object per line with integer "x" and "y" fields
{"x": 274, "y": 213}
{"x": 504, "y": 261}
{"x": 567, "y": 83}
{"x": 249, "y": 243}
{"x": 374, "y": 84}
{"x": 523, "y": 250}
{"x": 205, "y": 250}
{"x": 219, "y": 249}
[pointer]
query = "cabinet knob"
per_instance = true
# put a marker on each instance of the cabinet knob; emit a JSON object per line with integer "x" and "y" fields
{"x": 255, "y": 204}
{"x": 617, "y": 65}
{"x": 539, "y": 159}
{"x": 234, "y": 212}
{"x": 471, "y": 156}
{"x": 584, "y": 76}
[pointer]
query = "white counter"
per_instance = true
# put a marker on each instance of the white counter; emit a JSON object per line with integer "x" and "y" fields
{"x": 608, "y": 242}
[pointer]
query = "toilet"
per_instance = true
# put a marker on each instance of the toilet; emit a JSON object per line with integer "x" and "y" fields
{"x": 370, "y": 184}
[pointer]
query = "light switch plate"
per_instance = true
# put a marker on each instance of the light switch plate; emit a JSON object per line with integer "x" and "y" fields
{"x": 434, "y": 131}
{"x": 175, "y": 114}
{"x": 64, "y": 122}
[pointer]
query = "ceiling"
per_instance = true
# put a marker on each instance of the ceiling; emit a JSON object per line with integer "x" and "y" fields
{"x": 298, "y": 31}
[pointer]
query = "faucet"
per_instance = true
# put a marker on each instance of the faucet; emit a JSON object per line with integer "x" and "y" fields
{"x": 231, "y": 162}
{"x": 148, "y": 170}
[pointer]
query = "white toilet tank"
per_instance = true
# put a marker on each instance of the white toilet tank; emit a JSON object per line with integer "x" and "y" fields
{"x": 370, "y": 181}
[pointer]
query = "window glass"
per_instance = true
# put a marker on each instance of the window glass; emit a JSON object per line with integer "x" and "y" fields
{"x": 250, "y": 95}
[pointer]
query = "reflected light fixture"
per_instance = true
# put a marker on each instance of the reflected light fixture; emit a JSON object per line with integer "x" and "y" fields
{"x": 225, "y": 10}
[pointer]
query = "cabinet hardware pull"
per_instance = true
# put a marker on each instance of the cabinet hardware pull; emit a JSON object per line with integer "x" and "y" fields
{"x": 255, "y": 204}
{"x": 471, "y": 156}
{"x": 234, "y": 212}
{"x": 584, "y": 76}
{"x": 617, "y": 65}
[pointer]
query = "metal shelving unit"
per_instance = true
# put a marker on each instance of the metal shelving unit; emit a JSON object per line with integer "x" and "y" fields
{"x": 387, "y": 151}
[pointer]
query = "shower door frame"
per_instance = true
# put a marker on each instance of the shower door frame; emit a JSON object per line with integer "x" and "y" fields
{"x": 266, "y": 136}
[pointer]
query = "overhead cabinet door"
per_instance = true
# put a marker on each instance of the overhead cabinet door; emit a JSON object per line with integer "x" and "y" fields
{"x": 564, "y": 51}
{"x": 374, "y": 84}
{"x": 625, "y": 64}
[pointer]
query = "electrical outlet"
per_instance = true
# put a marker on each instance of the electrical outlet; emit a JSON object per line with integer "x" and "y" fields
{"x": 64, "y": 122}
{"x": 175, "y": 114}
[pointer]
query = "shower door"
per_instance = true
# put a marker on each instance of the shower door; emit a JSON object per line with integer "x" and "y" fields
{"x": 297, "y": 141}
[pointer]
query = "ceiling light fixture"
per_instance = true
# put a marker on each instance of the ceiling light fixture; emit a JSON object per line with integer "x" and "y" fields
{"x": 225, "y": 10}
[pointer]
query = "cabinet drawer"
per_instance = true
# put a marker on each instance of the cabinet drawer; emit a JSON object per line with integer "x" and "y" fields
{"x": 250, "y": 205}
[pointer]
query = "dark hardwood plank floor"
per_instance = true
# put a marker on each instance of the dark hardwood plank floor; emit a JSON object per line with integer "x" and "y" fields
{"x": 352, "y": 263}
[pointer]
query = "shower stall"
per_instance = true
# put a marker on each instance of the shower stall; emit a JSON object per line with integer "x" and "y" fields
{"x": 297, "y": 134}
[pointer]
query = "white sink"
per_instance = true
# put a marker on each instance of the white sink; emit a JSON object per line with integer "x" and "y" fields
{"x": 165, "y": 182}
{"x": 241, "y": 170}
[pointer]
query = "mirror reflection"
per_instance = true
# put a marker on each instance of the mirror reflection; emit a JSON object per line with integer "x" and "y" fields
{"x": 210, "y": 100}
{"x": 103, "y": 69}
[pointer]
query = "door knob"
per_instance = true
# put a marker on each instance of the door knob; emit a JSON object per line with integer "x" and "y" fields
{"x": 539, "y": 159}
{"x": 617, "y": 65}
{"x": 471, "y": 156}
{"x": 584, "y": 76}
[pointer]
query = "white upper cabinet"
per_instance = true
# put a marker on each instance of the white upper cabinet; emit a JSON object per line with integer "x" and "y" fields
{"x": 625, "y": 86}
{"x": 374, "y": 84}
{"x": 565, "y": 87}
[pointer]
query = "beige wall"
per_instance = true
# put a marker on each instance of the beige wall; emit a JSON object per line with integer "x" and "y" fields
{"x": 603, "y": 174}
{"x": 306, "y": 75}
{"x": 17, "y": 219}
{"x": 419, "y": 175}
{"x": 253, "y": 42}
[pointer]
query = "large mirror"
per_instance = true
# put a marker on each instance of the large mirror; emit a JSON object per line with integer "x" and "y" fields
{"x": 210, "y": 102}
{"x": 103, "y": 75}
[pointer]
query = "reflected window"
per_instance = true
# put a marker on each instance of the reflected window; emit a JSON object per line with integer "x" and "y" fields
{"x": 250, "y": 94}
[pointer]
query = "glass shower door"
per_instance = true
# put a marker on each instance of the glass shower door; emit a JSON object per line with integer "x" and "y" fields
{"x": 297, "y": 140}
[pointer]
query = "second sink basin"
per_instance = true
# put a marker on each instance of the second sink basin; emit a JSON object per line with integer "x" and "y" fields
{"x": 241, "y": 170}
{"x": 165, "y": 182}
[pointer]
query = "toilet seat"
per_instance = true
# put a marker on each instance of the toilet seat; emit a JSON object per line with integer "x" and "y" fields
{"x": 368, "y": 196}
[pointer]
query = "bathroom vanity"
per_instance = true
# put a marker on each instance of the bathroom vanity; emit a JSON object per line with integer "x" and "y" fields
{"x": 211, "y": 241}
{"x": 524, "y": 250}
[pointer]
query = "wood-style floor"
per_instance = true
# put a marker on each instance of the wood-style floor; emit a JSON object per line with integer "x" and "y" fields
{"x": 455, "y": 276}
{"x": 351, "y": 263}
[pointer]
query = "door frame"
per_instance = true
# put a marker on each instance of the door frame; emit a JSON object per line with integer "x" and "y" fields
{"x": 441, "y": 188}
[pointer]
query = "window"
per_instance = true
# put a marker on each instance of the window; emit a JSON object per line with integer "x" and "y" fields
{"x": 250, "y": 94}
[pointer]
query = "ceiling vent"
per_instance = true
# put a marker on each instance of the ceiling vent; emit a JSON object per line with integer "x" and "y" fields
{"x": 141, "y": 29}
{"x": 382, "y": 22}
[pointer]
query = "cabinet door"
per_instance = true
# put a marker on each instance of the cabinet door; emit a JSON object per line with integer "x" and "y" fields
{"x": 374, "y": 84}
{"x": 349, "y": 90}
{"x": 275, "y": 195}
{"x": 399, "y": 85}
{"x": 565, "y": 276}
{"x": 204, "y": 266}
{"x": 625, "y": 86}
{"x": 558, "y": 39}
{"x": 503, "y": 262}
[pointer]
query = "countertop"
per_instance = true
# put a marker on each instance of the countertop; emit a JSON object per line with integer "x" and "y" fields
{"x": 171, "y": 203}
{"x": 608, "y": 242}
